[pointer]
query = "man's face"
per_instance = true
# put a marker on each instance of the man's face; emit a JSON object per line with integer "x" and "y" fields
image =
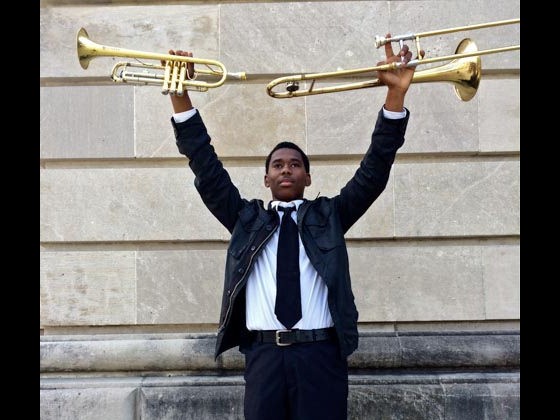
{"x": 286, "y": 176}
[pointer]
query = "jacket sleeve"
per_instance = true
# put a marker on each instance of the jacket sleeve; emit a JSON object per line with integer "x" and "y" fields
{"x": 212, "y": 181}
{"x": 371, "y": 178}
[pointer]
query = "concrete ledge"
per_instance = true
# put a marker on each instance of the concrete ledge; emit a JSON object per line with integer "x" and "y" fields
{"x": 194, "y": 352}
{"x": 457, "y": 396}
{"x": 436, "y": 375}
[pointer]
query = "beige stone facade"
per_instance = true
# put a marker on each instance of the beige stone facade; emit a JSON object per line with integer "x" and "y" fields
{"x": 128, "y": 248}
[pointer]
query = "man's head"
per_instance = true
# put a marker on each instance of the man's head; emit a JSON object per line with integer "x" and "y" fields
{"x": 287, "y": 172}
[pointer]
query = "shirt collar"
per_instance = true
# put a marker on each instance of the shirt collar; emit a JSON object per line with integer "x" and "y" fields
{"x": 274, "y": 204}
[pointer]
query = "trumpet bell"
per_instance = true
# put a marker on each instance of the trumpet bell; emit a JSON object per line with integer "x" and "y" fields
{"x": 84, "y": 48}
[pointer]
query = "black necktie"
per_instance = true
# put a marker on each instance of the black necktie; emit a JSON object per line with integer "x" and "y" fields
{"x": 288, "y": 295}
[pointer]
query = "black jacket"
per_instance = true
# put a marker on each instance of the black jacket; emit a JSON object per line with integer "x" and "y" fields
{"x": 322, "y": 223}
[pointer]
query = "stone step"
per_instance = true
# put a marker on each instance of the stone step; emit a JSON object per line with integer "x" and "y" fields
{"x": 417, "y": 376}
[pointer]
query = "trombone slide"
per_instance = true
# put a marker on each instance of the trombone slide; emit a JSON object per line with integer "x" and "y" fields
{"x": 463, "y": 71}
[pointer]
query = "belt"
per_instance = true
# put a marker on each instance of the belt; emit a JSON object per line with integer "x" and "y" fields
{"x": 287, "y": 337}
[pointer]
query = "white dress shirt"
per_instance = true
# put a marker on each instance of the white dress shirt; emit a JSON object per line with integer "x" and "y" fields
{"x": 261, "y": 288}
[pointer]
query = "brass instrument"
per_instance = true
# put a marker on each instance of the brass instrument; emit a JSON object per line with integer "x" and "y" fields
{"x": 464, "y": 71}
{"x": 172, "y": 77}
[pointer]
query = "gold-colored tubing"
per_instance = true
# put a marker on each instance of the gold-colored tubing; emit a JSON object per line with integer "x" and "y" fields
{"x": 460, "y": 71}
{"x": 466, "y": 49}
{"x": 379, "y": 41}
{"x": 120, "y": 74}
{"x": 87, "y": 50}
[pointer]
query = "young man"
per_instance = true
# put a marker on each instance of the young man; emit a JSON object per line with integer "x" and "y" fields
{"x": 294, "y": 369}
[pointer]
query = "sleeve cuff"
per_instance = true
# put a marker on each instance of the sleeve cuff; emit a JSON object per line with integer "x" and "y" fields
{"x": 183, "y": 116}
{"x": 393, "y": 115}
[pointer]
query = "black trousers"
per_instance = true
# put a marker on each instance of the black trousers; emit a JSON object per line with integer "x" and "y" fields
{"x": 303, "y": 381}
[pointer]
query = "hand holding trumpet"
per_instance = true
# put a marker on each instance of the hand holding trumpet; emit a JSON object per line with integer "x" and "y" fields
{"x": 182, "y": 102}
{"x": 190, "y": 65}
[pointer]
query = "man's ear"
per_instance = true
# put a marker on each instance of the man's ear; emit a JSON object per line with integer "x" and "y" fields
{"x": 308, "y": 180}
{"x": 266, "y": 183}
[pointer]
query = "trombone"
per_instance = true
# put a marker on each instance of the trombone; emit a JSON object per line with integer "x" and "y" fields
{"x": 464, "y": 71}
{"x": 172, "y": 76}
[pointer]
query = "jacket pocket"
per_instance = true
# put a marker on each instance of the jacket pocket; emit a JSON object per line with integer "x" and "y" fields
{"x": 325, "y": 231}
{"x": 244, "y": 232}
{"x": 236, "y": 249}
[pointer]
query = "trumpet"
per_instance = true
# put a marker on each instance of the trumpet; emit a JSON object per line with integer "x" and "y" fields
{"x": 171, "y": 76}
{"x": 463, "y": 71}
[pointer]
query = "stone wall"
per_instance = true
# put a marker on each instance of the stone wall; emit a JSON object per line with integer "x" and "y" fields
{"x": 129, "y": 252}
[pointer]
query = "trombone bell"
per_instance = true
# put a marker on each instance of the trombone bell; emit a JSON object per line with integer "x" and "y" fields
{"x": 464, "y": 73}
{"x": 468, "y": 71}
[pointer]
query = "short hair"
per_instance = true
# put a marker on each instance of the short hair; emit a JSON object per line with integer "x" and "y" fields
{"x": 287, "y": 145}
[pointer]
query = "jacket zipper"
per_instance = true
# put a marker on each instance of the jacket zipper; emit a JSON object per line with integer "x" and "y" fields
{"x": 230, "y": 305}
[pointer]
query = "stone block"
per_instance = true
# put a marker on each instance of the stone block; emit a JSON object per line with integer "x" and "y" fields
{"x": 459, "y": 350}
{"x": 459, "y": 396}
{"x": 502, "y": 281}
{"x": 180, "y": 286}
{"x": 380, "y": 350}
{"x": 482, "y": 401}
{"x": 87, "y": 288}
{"x": 415, "y": 281}
{"x": 440, "y": 122}
{"x": 457, "y": 198}
{"x": 88, "y": 403}
{"x": 87, "y": 122}
{"x": 499, "y": 116}
{"x": 437, "y": 350}
{"x": 192, "y": 403}
{"x": 128, "y": 353}
{"x": 396, "y": 401}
